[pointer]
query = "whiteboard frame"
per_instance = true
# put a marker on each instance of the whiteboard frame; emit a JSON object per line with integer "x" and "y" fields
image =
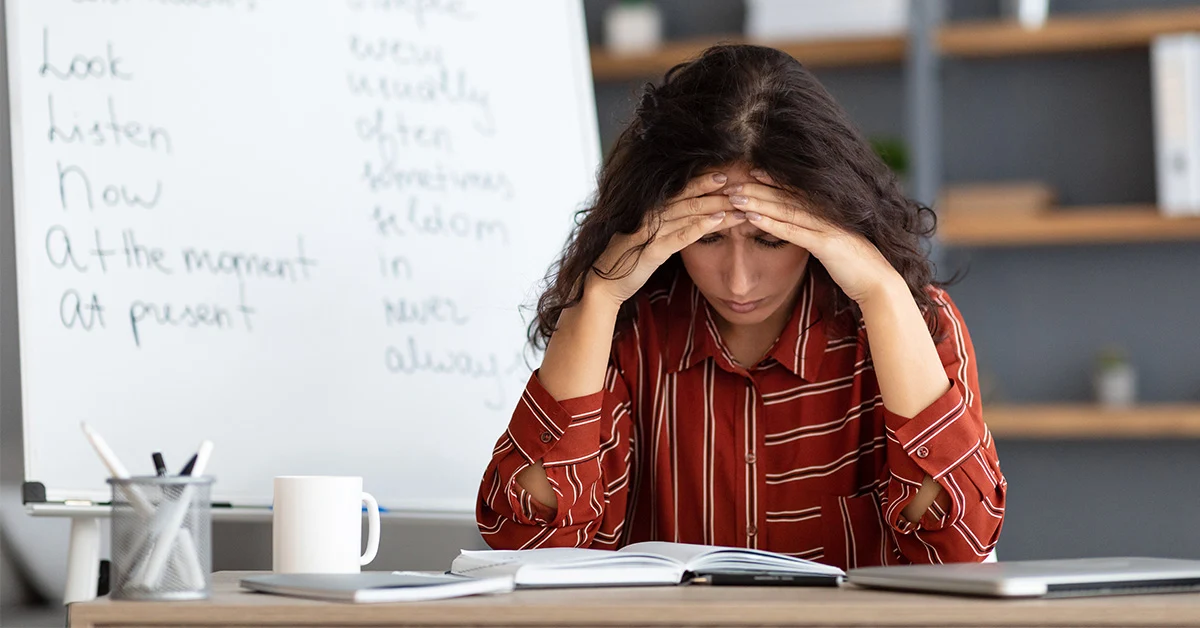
{"x": 12, "y": 340}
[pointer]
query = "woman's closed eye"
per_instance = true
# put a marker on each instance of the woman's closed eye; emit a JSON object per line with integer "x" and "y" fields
{"x": 762, "y": 240}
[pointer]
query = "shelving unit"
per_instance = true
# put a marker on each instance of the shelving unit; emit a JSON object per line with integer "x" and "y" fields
{"x": 815, "y": 54}
{"x": 1083, "y": 421}
{"x": 1102, "y": 224}
{"x": 992, "y": 38}
{"x": 1099, "y": 31}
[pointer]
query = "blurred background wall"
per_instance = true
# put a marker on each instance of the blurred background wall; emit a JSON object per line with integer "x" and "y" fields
{"x": 1080, "y": 122}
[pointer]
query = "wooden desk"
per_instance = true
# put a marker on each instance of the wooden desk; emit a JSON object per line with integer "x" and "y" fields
{"x": 654, "y": 606}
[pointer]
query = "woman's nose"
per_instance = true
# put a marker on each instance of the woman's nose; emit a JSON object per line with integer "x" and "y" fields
{"x": 741, "y": 276}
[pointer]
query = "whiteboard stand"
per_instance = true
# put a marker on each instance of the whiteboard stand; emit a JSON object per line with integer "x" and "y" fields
{"x": 83, "y": 552}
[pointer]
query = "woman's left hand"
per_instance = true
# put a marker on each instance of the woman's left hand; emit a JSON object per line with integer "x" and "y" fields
{"x": 852, "y": 260}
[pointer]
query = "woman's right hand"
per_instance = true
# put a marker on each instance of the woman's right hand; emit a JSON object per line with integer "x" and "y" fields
{"x": 665, "y": 231}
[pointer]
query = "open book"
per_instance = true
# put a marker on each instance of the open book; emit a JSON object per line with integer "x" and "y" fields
{"x": 647, "y": 563}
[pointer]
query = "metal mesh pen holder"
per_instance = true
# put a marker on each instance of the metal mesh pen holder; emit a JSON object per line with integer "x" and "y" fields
{"x": 161, "y": 538}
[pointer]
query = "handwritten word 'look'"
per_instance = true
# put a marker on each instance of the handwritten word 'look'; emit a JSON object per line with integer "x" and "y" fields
{"x": 82, "y": 66}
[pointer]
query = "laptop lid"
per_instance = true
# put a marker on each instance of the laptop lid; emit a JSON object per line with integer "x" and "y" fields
{"x": 1039, "y": 578}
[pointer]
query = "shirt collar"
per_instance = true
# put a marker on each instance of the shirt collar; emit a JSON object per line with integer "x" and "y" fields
{"x": 692, "y": 334}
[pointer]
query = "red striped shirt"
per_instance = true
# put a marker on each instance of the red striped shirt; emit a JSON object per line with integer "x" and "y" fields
{"x": 796, "y": 455}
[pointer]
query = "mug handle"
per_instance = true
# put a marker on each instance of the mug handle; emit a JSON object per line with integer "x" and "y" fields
{"x": 372, "y": 529}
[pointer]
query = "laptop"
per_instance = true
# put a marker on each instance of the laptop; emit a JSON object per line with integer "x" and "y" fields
{"x": 1039, "y": 578}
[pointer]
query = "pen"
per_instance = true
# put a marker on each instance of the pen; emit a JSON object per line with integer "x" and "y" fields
{"x": 160, "y": 467}
{"x": 766, "y": 579}
{"x": 187, "y": 468}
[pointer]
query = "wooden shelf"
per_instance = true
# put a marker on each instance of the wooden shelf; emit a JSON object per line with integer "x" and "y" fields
{"x": 1096, "y": 31}
{"x": 813, "y": 54}
{"x": 993, "y": 38}
{"x": 1103, "y": 224}
{"x": 1082, "y": 421}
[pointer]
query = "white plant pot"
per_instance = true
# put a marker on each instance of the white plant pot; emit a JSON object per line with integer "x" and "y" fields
{"x": 632, "y": 28}
{"x": 1116, "y": 386}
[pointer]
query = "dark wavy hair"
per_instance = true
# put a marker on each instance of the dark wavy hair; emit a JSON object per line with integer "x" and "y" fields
{"x": 754, "y": 105}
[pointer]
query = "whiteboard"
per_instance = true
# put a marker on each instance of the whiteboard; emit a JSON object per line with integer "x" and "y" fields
{"x": 302, "y": 230}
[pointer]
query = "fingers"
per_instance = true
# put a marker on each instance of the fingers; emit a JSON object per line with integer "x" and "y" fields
{"x": 766, "y": 199}
{"x": 696, "y": 206}
{"x": 686, "y": 231}
{"x": 699, "y": 186}
{"x": 800, "y": 236}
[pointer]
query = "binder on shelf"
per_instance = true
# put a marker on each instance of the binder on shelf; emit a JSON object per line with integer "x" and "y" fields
{"x": 1175, "y": 80}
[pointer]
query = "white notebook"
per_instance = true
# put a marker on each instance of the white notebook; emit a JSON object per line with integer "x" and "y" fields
{"x": 648, "y": 563}
{"x": 376, "y": 586}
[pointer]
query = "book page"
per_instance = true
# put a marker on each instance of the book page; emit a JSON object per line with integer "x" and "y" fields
{"x": 682, "y": 553}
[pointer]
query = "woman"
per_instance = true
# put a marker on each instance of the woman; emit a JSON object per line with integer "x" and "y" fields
{"x": 744, "y": 346}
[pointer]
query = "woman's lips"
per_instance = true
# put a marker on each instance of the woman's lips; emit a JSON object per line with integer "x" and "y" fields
{"x": 742, "y": 308}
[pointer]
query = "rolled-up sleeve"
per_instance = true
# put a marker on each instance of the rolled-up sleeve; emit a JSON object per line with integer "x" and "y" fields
{"x": 576, "y": 440}
{"x": 949, "y": 442}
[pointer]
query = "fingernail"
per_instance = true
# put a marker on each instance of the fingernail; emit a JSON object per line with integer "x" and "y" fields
{"x": 734, "y": 189}
{"x": 739, "y": 215}
{"x": 720, "y": 178}
{"x": 758, "y": 173}
{"x": 717, "y": 217}
{"x": 752, "y": 216}
{"x": 738, "y": 200}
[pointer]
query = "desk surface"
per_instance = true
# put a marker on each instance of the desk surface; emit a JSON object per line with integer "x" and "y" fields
{"x": 654, "y": 606}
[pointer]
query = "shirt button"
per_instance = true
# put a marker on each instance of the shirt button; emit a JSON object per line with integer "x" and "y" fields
{"x": 547, "y": 437}
{"x": 751, "y": 530}
{"x": 922, "y": 452}
{"x": 751, "y": 458}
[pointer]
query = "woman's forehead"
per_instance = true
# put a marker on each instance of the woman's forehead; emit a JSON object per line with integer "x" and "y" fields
{"x": 737, "y": 173}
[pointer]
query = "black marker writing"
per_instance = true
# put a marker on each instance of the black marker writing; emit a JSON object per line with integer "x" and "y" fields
{"x": 243, "y": 265}
{"x": 75, "y": 310}
{"x": 75, "y": 179}
{"x": 112, "y": 130}
{"x": 209, "y": 315}
{"x": 83, "y": 66}
{"x": 434, "y": 309}
{"x": 58, "y": 249}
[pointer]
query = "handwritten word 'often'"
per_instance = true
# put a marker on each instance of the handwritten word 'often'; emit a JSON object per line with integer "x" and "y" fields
{"x": 110, "y": 131}
{"x": 82, "y": 66}
{"x": 390, "y": 133}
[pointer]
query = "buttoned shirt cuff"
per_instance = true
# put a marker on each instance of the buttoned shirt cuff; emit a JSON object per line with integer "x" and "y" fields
{"x": 543, "y": 423}
{"x": 935, "y": 442}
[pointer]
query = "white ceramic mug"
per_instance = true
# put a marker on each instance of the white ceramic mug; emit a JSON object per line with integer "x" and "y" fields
{"x": 317, "y": 524}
